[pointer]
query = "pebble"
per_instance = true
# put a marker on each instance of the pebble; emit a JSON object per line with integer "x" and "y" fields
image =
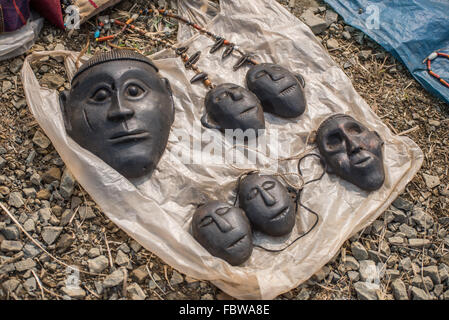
{"x": 10, "y": 285}
{"x": 29, "y": 192}
{"x": 332, "y": 44}
{"x": 330, "y": 17}
{"x": 346, "y": 35}
{"x": 30, "y": 284}
{"x": 11, "y": 246}
{"x": 419, "y": 294}
{"x": 16, "y": 200}
{"x": 93, "y": 253}
{"x": 366, "y": 290}
{"x": 53, "y": 81}
{"x": 368, "y": 271}
{"x": 74, "y": 292}
{"x": 139, "y": 274}
{"x": 433, "y": 273}
{"x": 41, "y": 140}
{"x": 431, "y": 181}
{"x": 408, "y": 231}
{"x": 419, "y": 243}
{"x": 86, "y": 213}
{"x": 35, "y": 179}
{"x": 315, "y": 23}
{"x": 365, "y": 54}
{"x": 351, "y": 263}
{"x": 304, "y": 294}
{"x": 43, "y": 194}
{"x": 29, "y": 225}
{"x": 403, "y": 204}
{"x": 50, "y": 234}
{"x": 64, "y": 242}
{"x": 399, "y": 290}
{"x": 135, "y": 292}
{"x": 98, "y": 264}
{"x": 176, "y": 278}
{"x": 67, "y": 184}
{"x": 10, "y": 232}
{"x": 114, "y": 279}
{"x": 52, "y": 174}
{"x": 421, "y": 218}
{"x": 358, "y": 251}
{"x": 25, "y": 264}
{"x": 122, "y": 259}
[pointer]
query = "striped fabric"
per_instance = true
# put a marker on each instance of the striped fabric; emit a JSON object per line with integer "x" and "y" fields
{"x": 14, "y": 14}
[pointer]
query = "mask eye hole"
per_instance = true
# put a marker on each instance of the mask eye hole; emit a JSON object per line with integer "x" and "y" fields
{"x": 101, "y": 95}
{"x": 334, "y": 140}
{"x": 134, "y": 91}
{"x": 354, "y": 128}
{"x": 222, "y": 211}
{"x": 268, "y": 185}
{"x": 260, "y": 74}
{"x": 222, "y": 96}
{"x": 252, "y": 194}
{"x": 206, "y": 221}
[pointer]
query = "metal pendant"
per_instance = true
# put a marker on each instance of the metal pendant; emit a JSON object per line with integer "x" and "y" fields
{"x": 193, "y": 59}
{"x": 200, "y": 76}
{"x": 227, "y": 52}
{"x": 217, "y": 45}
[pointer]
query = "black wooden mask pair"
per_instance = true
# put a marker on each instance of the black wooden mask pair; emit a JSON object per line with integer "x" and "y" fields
{"x": 352, "y": 151}
{"x": 226, "y": 231}
{"x": 120, "y": 109}
{"x": 272, "y": 89}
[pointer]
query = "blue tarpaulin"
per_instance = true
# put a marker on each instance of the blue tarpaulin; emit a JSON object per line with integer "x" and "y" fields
{"x": 409, "y": 29}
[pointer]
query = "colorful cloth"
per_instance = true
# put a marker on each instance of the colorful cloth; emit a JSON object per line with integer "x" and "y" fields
{"x": 14, "y": 14}
{"x": 50, "y": 10}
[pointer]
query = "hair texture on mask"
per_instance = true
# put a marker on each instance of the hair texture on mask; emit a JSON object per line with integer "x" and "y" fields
{"x": 114, "y": 55}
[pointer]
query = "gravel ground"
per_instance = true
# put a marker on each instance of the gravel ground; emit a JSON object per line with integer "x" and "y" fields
{"x": 402, "y": 255}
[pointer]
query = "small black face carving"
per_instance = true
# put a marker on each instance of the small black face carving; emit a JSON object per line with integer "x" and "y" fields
{"x": 352, "y": 151}
{"x": 267, "y": 204}
{"x": 121, "y": 111}
{"x": 233, "y": 107}
{"x": 224, "y": 231}
{"x": 280, "y": 91}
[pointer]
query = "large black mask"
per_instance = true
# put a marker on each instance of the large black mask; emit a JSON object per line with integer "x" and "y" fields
{"x": 229, "y": 106}
{"x": 224, "y": 231}
{"x": 267, "y": 204}
{"x": 120, "y": 109}
{"x": 352, "y": 151}
{"x": 280, "y": 91}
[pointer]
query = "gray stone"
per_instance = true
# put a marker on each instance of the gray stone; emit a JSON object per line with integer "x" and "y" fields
{"x": 438, "y": 289}
{"x": 29, "y": 225}
{"x": 421, "y": 218}
{"x": 351, "y": 263}
{"x": 392, "y": 274}
{"x": 419, "y": 243}
{"x": 443, "y": 272}
{"x": 41, "y": 140}
{"x": 11, "y": 246}
{"x": 98, "y": 264}
{"x": 396, "y": 240}
{"x": 303, "y": 294}
{"x": 124, "y": 247}
{"x": 377, "y": 256}
{"x": 67, "y": 184}
{"x": 346, "y": 35}
{"x": 358, "y": 251}
{"x": 45, "y": 214}
{"x": 15, "y": 199}
{"x": 25, "y": 264}
{"x": 365, "y": 54}
{"x": 86, "y": 213}
{"x": 366, "y": 290}
{"x": 93, "y": 253}
{"x": 30, "y": 250}
{"x": 432, "y": 272}
{"x": 431, "y": 181}
{"x": 35, "y": 179}
{"x": 50, "y": 234}
{"x": 10, "y": 285}
{"x": 53, "y": 81}
{"x": 135, "y": 292}
{"x": 207, "y": 296}
{"x": 408, "y": 231}
{"x": 399, "y": 290}
{"x": 10, "y": 232}
{"x": 399, "y": 215}
{"x": 422, "y": 282}
{"x": 64, "y": 242}
{"x": 74, "y": 292}
{"x": 368, "y": 271}
{"x": 446, "y": 295}
{"x": 140, "y": 274}
{"x": 114, "y": 279}
{"x": 321, "y": 274}
{"x": 122, "y": 259}
{"x": 403, "y": 204}
{"x": 419, "y": 294}
{"x": 30, "y": 284}
{"x": 176, "y": 278}
{"x": 2, "y": 162}
{"x": 316, "y": 24}
{"x": 135, "y": 246}
{"x": 354, "y": 276}
{"x": 29, "y": 192}
{"x": 332, "y": 44}
{"x": 330, "y": 17}
{"x": 7, "y": 85}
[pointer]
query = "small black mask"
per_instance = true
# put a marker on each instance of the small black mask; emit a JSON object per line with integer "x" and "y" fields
{"x": 229, "y": 106}
{"x": 224, "y": 231}
{"x": 280, "y": 91}
{"x": 267, "y": 204}
{"x": 120, "y": 109}
{"x": 352, "y": 151}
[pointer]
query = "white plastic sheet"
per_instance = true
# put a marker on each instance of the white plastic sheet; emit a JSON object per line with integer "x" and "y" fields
{"x": 157, "y": 212}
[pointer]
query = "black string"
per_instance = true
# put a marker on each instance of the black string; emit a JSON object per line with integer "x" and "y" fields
{"x": 298, "y": 202}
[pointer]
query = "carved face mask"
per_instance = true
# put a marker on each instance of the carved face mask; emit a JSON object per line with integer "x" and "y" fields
{"x": 267, "y": 204}
{"x": 279, "y": 91}
{"x": 121, "y": 110}
{"x": 352, "y": 151}
{"x": 224, "y": 231}
{"x": 229, "y": 106}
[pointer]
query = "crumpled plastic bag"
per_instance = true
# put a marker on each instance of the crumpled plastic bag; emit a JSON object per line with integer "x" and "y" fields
{"x": 157, "y": 212}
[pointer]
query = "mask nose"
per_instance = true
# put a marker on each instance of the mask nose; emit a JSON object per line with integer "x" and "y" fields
{"x": 119, "y": 111}
{"x": 222, "y": 224}
{"x": 236, "y": 94}
{"x": 276, "y": 76}
{"x": 267, "y": 198}
{"x": 353, "y": 145}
